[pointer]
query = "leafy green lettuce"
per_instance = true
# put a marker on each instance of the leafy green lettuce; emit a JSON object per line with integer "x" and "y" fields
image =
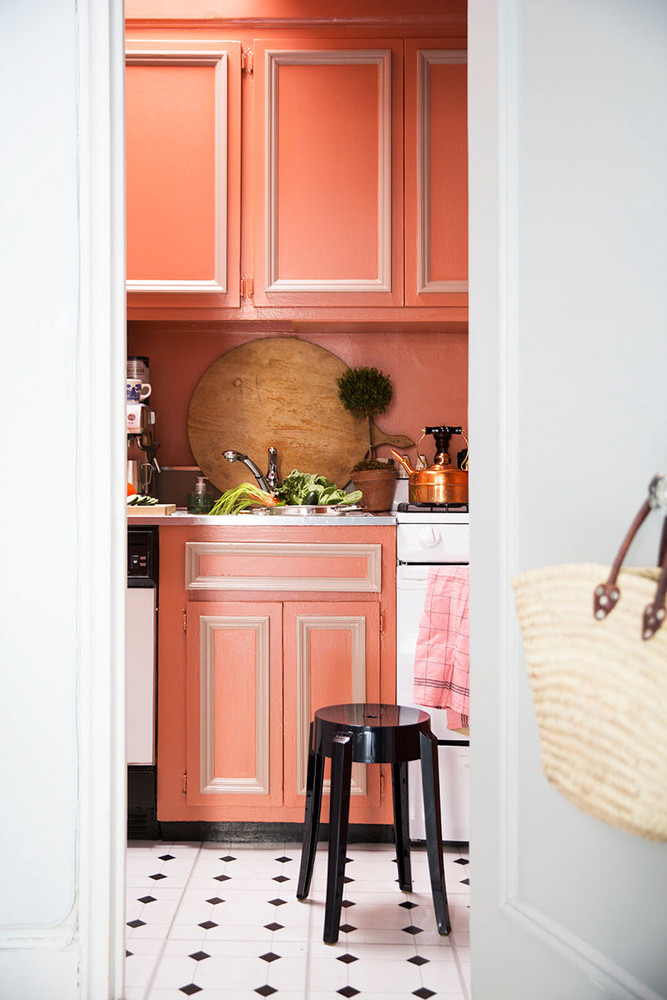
{"x": 306, "y": 488}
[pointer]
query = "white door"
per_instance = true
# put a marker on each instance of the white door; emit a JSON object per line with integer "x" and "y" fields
{"x": 568, "y": 345}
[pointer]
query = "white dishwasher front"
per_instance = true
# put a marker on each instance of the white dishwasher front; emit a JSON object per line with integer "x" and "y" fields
{"x": 141, "y": 670}
{"x": 140, "y": 643}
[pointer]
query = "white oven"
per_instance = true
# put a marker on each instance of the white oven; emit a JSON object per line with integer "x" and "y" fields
{"x": 427, "y": 538}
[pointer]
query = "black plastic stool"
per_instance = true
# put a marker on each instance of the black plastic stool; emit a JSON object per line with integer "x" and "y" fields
{"x": 371, "y": 734}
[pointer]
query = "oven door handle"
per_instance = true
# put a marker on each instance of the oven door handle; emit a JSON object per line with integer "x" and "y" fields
{"x": 411, "y": 573}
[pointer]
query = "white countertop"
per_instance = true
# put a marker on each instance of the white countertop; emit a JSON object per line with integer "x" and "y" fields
{"x": 182, "y": 517}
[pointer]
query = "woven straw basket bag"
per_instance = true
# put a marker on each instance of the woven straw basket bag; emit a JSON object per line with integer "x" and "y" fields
{"x": 599, "y": 684}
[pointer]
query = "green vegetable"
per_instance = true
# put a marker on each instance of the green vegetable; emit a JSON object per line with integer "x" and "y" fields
{"x": 297, "y": 489}
{"x": 306, "y": 488}
{"x": 242, "y": 497}
{"x": 136, "y": 500}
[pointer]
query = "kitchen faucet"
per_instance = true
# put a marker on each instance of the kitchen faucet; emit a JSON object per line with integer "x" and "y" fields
{"x": 266, "y": 482}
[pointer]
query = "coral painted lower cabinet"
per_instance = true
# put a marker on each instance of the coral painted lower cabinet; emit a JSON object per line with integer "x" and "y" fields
{"x": 259, "y": 628}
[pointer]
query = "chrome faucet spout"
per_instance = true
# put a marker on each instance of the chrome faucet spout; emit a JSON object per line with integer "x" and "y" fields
{"x": 266, "y": 482}
{"x": 238, "y": 456}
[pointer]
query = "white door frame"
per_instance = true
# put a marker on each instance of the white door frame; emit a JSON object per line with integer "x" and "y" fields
{"x": 102, "y": 512}
{"x": 64, "y": 529}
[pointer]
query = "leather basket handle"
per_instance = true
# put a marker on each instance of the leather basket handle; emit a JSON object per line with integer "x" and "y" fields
{"x": 654, "y": 613}
{"x": 607, "y": 594}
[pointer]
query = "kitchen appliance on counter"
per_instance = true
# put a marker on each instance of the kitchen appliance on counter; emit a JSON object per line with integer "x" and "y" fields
{"x": 141, "y": 682}
{"x": 140, "y": 427}
{"x": 428, "y": 536}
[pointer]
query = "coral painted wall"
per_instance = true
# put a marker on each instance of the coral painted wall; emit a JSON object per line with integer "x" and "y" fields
{"x": 429, "y": 371}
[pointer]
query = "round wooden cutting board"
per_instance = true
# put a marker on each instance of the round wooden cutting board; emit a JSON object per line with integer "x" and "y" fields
{"x": 278, "y": 392}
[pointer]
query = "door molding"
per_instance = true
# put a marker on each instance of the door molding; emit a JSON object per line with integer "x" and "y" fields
{"x": 219, "y": 59}
{"x": 381, "y": 58}
{"x": 205, "y": 561}
{"x": 426, "y": 59}
{"x": 102, "y": 514}
{"x": 305, "y": 625}
{"x": 209, "y": 781}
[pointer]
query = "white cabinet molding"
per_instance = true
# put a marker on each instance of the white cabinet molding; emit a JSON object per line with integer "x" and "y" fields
{"x": 427, "y": 59}
{"x": 380, "y": 58}
{"x": 209, "y": 781}
{"x": 219, "y": 60}
{"x": 305, "y": 625}
{"x": 196, "y": 578}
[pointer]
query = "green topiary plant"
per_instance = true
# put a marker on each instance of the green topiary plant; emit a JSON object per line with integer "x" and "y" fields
{"x": 364, "y": 392}
{"x": 373, "y": 464}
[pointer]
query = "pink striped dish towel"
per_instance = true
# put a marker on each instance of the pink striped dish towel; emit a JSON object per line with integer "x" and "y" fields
{"x": 442, "y": 657}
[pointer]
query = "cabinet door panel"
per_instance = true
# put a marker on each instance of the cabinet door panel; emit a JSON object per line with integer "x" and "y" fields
{"x": 329, "y": 122}
{"x": 234, "y": 696}
{"x": 436, "y": 271}
{"x": 332, "y": 656}
{"x": 183, "y": 171}
{"x": 283, "y": 566}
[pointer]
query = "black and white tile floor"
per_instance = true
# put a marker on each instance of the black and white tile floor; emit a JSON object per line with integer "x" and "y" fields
{"x": 221, "y": 921}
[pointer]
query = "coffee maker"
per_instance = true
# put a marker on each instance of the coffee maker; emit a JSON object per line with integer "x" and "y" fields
{"x": 140, "y": 426}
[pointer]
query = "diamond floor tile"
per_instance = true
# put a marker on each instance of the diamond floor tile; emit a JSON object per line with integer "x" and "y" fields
{"x": 227, "y": 926}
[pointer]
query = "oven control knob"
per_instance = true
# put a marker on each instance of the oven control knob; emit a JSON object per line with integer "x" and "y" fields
{"x": 429, "y": 537}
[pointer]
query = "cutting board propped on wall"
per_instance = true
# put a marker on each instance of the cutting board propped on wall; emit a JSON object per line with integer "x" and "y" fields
{"x": 279, "y": 392}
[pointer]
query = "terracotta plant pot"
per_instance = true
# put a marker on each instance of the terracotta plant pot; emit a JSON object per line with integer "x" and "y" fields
{"x": 377, "y": 486}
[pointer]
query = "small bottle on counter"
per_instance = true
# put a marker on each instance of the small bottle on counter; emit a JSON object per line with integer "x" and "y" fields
{"x": 200, "y": 502}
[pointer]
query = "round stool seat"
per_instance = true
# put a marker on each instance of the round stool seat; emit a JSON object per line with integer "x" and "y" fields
{"x": 381, "y": 734}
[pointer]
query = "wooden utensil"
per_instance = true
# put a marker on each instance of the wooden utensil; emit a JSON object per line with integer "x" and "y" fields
{"x": 281, "y": 391}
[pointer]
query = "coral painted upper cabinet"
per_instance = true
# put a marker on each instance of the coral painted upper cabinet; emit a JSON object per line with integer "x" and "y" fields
{"x": 347, "y": 189}
{"x": 328, "y": 173}
{"x": 183, "y": 179}
{"x": 436, "y": 169}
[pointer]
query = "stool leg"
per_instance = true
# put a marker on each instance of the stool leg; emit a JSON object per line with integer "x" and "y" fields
{"x": 399, "y": 789}
{"x": 339, "y": 814}
{"x": 428, "y": 748}
{"x": 311, "y": 823}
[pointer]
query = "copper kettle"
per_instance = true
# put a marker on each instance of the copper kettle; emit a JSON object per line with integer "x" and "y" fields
{"x": 440, "y": 482}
